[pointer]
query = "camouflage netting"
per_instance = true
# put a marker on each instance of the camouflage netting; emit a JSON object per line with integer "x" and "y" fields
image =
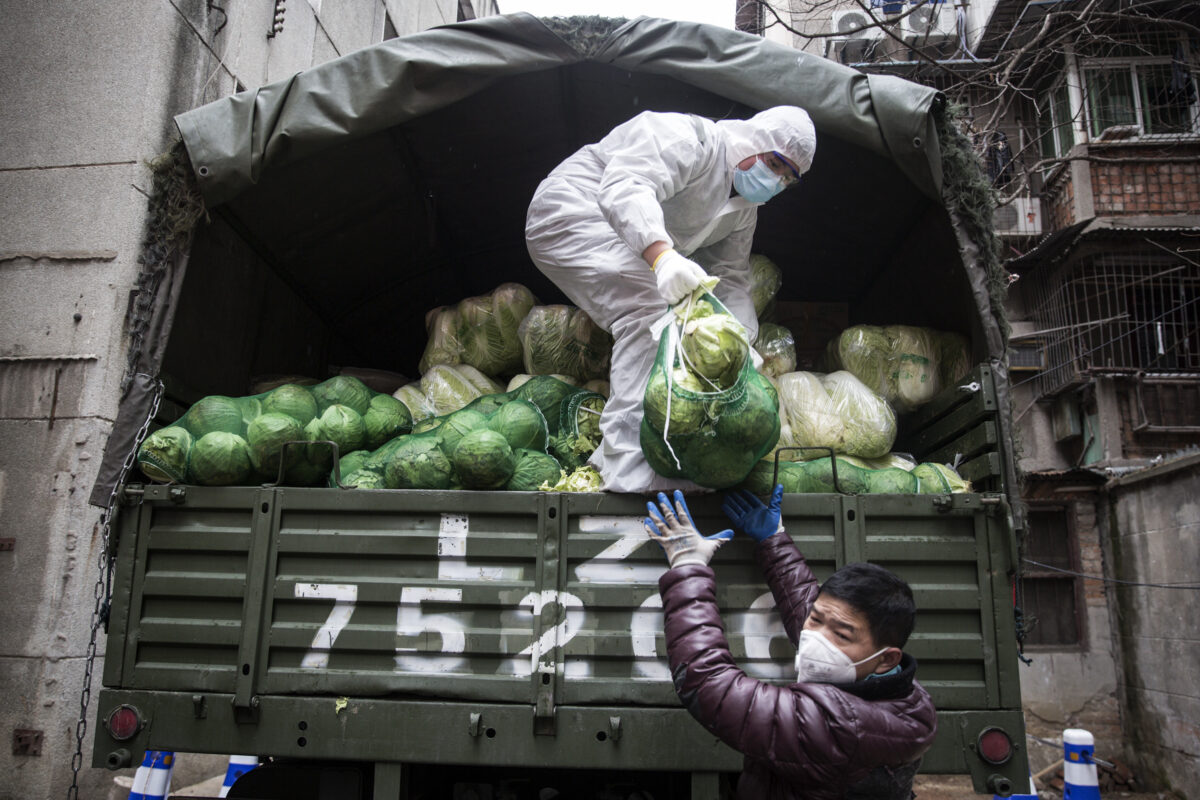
{"x": 972, "y": 199}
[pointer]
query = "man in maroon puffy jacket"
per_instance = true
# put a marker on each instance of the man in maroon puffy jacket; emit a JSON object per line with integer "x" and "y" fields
{"x": 855, "y": 723}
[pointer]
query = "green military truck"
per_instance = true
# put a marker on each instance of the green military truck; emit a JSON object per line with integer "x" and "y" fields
{"x": 392, "y": 644}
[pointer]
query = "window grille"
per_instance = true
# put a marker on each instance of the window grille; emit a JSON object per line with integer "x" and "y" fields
{"x": 1129, "y": 311}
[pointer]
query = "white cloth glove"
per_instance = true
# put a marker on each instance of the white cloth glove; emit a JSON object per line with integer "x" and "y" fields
{"x": 677, "y": 276}
{"x": 675, "y": 532}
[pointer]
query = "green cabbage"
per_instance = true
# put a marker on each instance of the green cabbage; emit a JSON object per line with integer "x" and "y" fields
{"x": 457, "y": 425}
{"x": 712, "y": 464}
{"x": 386, "y": 418}
{"x": 865, "y": 351}
{"x": 344, "y": 427}
{"x": 950, "y": 479}
{"x": 582, "y": 479}
{"x": 351, "y": 462}
{"x": 483, "y": 460}
{"x": 343, "y": 390}
{"x": 715, "y": 348}
{"x": 419, "y": 463}
{"x": 756, "y": 420}
{"x": 930, "y": 479}
{"x": 547, "y": 393}
{"x": 295, "y": 401}
{"x": 890, "y": 481}
{"x": 163, "y": 456}
{"x": 850, "y": 479}
{"x": 214, "y": 413}
{"x": 655, "y": 450}
{"x": 521, "y": 424}
{"x": 219, "y": 458}
{"x": 266, "y": 435}
{"x": 533, "y": 468}
{"x": 688, "y": 411}
{"x": 364, "y": 479}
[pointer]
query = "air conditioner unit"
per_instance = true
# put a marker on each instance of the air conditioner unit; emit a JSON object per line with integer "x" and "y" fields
{"x": 860, "y": 35}
{"x": 930, "y": 22}
{"x": 1021, "y": 217}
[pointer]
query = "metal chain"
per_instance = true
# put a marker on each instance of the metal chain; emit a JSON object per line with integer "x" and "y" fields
{"x": 102, "y": 593}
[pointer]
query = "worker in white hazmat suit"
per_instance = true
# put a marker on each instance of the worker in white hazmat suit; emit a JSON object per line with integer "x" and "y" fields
{"x": 633, "y": 223}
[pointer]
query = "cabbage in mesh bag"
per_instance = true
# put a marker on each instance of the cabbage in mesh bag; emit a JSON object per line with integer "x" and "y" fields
{"x": 708, "y": 416}
{"x": 560, "y": 339}
{"x": 254, "y": 429}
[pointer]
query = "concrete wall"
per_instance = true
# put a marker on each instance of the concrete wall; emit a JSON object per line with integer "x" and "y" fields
{"x": 1152, "y": 529}
{"x": 88, "y": 89}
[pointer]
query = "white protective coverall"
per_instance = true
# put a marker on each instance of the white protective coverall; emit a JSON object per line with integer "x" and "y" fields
{"x": 658, "y": 177}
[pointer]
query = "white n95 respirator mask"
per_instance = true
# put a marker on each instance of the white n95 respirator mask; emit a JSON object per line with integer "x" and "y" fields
{"x": 820, "y": 661}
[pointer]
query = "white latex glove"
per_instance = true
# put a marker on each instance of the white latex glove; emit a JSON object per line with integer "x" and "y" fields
{"x": 677, "y": 276}
{"x": 675, "y": 532}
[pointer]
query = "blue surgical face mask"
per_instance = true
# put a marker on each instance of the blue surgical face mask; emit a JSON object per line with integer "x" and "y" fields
{"x": 757, "y": 184}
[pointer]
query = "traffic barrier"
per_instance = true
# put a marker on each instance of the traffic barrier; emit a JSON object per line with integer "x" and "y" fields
{"x": 238, "y": 766}
{"x": 152, "y": 781}
{"x": 1032, "y": 795}
{"x": 1080, "y": 780}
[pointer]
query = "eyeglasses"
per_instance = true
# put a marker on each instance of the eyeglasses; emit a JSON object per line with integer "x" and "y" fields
{"x": 780, "y": 166}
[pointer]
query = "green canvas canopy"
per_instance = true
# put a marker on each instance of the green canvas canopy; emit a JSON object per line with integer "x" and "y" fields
{"x": 396, "y": 178}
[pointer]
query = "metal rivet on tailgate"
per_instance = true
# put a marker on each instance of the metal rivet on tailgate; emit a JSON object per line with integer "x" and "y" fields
{"x": 917, "y": 141}
{"x": 203, "y": 171}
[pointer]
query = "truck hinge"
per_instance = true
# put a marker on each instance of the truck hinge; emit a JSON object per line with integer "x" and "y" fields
{"x": 245, "y": 714}
{"x": 543, "y": 709}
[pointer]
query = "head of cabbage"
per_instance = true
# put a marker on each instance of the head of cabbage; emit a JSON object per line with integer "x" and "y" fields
{"x": 715, "y": 348}
{"x": 680, "y": 402}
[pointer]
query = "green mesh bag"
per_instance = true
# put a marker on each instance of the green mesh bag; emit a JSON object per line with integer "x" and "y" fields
{"x": 231, "y": 441}
{"x": 708, "y": 415}
{"x": 818, "y": 476}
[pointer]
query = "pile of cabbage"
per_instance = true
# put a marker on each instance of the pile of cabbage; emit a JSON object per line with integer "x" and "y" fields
{"x": 231, "y": 441}
{"x": 890, "y": 475}
{"x": 479, "y": 331}
{"x": 906, "y": 365}
{"x": 708, "y": 415}
{"x": 777, "y": 348}
{"x": 537, "y": 437}
{"x": 563, "y": 340}
{"x": 835, "y": 411}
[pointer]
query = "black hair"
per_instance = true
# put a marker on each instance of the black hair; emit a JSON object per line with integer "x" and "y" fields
{"x": 881, "y": 596}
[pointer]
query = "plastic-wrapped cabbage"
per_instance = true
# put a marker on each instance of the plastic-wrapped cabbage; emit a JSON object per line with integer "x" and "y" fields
{"x": 295, "y": 401}
{"x": 865, "y": 351}
{"x": 812, "y": 419}
{"x": 777, "y": 347}
{"x": 915, "y": 356}
{"x": 715, "y": 347}
{"x": 482, "y": 382}
{"x": 164, "y": 454}
{"x": 219, "y": 458}
{"x": 765, "y": 280}
{"x": 489, "y": 328}
{"x": 560, "y": 339}
{"x": 534, "y": 468}
{"x": 869, "y": 422}
{"x": 386, "y": 418}
{"x": 483, "y": 460}
{"x": 446, "y": 389}
{"x": 415, "y": 401}
{"x": 582, "y": 479}
{"x": 954, "y": 357}
{"x": 443, "y": 345}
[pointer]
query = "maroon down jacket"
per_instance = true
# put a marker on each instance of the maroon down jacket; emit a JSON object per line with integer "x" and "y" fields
{"x": 806, "y": 740}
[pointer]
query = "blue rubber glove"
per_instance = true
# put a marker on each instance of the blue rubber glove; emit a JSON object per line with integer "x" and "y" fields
{"x": 748, "y": 513}
{"x": 675, "y": 532}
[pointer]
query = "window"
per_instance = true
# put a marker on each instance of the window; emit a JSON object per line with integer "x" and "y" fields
{"x": 1142, "y": 96}
{"x": 1051, "y": 598}
{"x": 1055, "y": 130}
